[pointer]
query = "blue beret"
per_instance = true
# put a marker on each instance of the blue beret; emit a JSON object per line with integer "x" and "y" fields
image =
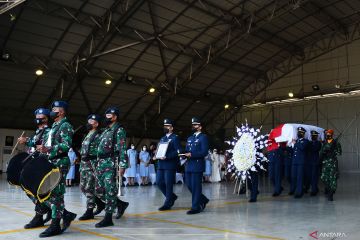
{"x": 195, "y": 120}
{"x": 301, "y": 129}
{"x": 61, "y": 104}
{"x": 168, "y": 122}
{"x": 44, "y": 111}
{"x": 94, "y": 117}
{"x": 113, "y": 110}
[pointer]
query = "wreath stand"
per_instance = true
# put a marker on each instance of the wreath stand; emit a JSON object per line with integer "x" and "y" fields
{"x": 238, "y": 184}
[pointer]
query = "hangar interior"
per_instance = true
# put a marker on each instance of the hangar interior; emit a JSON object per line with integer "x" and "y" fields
{"x": 266, "y": 62}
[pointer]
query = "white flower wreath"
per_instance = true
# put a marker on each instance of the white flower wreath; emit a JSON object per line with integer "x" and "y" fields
{"x": 247, "y": 152}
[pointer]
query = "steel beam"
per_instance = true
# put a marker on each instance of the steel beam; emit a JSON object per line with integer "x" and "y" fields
{"x": 89, "y": 64}
{"x": 186, "y": 66}
{"x": 333, "y": 41}
{"x": 202, "y": 66}
{"x": 82, "y": 47}
{"x": 9, "y": 4}
{"x": 247, "y": 75}
{"x": 145, "y": 49}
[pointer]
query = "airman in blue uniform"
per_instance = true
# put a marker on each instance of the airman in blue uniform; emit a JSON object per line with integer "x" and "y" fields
{"x": 166, "y": 172}
{"x": 314, "y": 162}
{"x": 299, "y": 157}
{"x": 253, "y": 185}
{"x": 275, "y": 164}
{"x": 275, "y": 170}
{"x": 287, "y": 153}
{"x": 197, "y": 148}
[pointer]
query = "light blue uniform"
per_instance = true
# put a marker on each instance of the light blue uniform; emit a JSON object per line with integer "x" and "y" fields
{"x": 132, "y": 156}
{"x": 207, "y": 165}
{"x": 71, "y": 174}
{"x": 144, "y": 169}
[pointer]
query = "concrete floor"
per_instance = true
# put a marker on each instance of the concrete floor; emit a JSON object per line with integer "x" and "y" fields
{"x": 227, "y": 216}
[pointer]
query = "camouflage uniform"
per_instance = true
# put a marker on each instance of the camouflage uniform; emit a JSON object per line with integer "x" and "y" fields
{"x": 88, "y": 165}
{"x": 330, "y": 171}
{"x": 105, "y": 185}
{"x": 40, "y": 137}
{"x": 61, "y": 139}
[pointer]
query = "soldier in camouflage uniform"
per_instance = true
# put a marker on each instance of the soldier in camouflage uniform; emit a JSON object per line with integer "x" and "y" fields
{"x": 41, "y": 134}
{"x": 330, "y": 171}
{"x": 111, "y": 151}
{"x": 88, "y": 164}
{"x": 57, "y": 146}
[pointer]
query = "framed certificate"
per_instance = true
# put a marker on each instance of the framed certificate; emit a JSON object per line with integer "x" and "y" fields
{"x": 161, "y": 150}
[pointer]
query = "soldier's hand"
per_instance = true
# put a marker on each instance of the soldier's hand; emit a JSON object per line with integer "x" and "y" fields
{"x": 41, "y": 148}
{"x": 22, "y": 140}
{"x": 163, "y": 158}
{"x": 187, "y": 155}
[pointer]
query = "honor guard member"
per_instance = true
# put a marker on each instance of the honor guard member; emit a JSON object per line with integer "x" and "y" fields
{"x": 41, "y": 134}
{"x": 275, "y": 166}
{"x": 253, "y": 185}
{"x": 88, "y": 164}
{"x": 111, "y": 152}
{"x": 57, "y": 146}
{"x": 165, "y": 177}
{"x": 299, "y": 157}
{"x": 314, "y": 162}
{"x": 196, "y": 150}
{"x": 330, "y": 169}
{"x": 286, "y": 155}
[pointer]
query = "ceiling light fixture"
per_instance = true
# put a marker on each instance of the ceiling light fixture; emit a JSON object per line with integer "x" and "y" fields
{"x": 5, "y": 56}
{"x": 315, "y": 87}
{"x": 152, "y": 90}
{"x": 39, "y": 72}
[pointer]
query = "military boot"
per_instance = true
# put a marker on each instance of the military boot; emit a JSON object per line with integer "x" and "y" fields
{"x": 121, "y": 206}
{"x": 99, "y": 206}
{"x": 330, "y": 196}
{"x": 68, "y": 217}
{"x": 53, "y": 230}
{"x": 89, "y": 214}
{"x": 37, "y": 221}
{"x": 106, "y": 222}
{"x": 48, "y": 217}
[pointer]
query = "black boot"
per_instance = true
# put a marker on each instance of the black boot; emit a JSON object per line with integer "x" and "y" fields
{"x": 53, "y": 230}
{"x": 106, "y": 222}
{"x": 89, "y": 214}
{"x": 68, "y": 217}
{"x": 48, "y": 217}
{"x": 42, "y": 209}
{"x": 37, "y": 221}
{"x": 121, "y": 208}
{"x": 330, "y": 196}
{"x": 99, "y": 206}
